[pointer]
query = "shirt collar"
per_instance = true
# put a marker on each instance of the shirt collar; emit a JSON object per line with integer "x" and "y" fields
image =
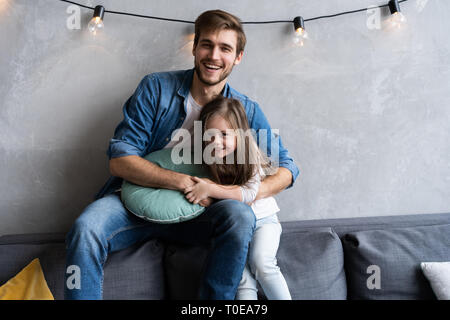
{"x": 185, "y": 86}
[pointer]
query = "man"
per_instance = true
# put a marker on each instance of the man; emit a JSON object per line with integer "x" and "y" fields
{"x": 162, "y": 103}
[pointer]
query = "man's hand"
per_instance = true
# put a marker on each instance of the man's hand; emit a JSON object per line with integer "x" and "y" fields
{"x": 185, "y": 182}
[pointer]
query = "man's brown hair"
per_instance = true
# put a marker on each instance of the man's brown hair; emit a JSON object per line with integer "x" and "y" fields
{"x": 214, "y": 20}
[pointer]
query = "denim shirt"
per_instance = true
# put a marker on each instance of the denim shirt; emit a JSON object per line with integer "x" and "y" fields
{"x": 158, "y": 107}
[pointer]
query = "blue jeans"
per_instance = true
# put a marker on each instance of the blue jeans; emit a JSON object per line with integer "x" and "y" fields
{"x": 105, "y": 226}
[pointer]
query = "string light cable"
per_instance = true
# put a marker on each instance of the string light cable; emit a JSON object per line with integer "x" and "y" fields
{"x": 299, "y": 22}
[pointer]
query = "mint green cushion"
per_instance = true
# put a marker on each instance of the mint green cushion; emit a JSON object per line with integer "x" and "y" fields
{"x": 163, "y": 205}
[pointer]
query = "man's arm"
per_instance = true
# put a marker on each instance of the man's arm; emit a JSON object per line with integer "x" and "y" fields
{"x": 275, "y": 183}
{"x": 147, "y": 174}
{"x": 132, "y": 137}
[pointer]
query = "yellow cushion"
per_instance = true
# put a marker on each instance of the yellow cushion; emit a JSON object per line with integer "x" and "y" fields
{"x": 28, "y": 284}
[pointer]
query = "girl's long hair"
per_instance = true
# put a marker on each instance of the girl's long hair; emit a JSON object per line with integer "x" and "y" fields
{"x": 237, "y": 172}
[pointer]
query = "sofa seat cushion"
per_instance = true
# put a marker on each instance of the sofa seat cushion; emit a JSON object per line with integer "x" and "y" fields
{"x": 133, "y": 273}
{"x": 385, "y": 264}
{"x": 312, "y": 263}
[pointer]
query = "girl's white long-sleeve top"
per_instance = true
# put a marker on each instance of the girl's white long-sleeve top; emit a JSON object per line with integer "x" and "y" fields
{"x": 263, "y": 207}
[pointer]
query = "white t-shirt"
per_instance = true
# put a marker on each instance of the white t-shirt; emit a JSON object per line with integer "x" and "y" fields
{"x": 193, "y": 110}
{"x": 262, "y": 207}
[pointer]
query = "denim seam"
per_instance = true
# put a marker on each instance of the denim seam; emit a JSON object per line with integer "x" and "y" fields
{"x": 102, "y": 270}
{"x": 101, "y": 281}
{"x": 121, "y": 230}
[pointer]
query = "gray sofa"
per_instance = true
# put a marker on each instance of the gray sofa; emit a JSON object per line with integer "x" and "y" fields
{"x": 320, "y": 259}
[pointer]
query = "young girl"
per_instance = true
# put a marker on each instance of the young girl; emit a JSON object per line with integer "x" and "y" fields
{"x": 237, "y": 167}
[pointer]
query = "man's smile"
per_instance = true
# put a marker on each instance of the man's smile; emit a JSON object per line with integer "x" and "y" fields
{"x": 211, "y": 67}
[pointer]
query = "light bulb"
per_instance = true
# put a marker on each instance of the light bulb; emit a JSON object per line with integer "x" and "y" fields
{"x": 96, "y": 23}
{"x": 397, "y": 20}
{"x": 300, "y": 33}
{"x": 300, "y": 37}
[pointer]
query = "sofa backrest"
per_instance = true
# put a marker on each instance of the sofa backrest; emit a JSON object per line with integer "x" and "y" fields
{"x": 320, "y": 259}
{"x": 337, "y": 258}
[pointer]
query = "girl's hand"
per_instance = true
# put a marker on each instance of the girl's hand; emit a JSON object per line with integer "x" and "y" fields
{"x": 197, "y": 192}
{"x": 206, "y": 202}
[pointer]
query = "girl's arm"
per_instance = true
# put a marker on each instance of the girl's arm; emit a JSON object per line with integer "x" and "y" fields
{"x": 218, "y": 191}
{"x": 206, "y": 188}
{"x": 245, "y": 193}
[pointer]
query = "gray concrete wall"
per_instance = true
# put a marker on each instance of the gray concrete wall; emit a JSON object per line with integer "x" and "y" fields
{"x": 365, "y": 113}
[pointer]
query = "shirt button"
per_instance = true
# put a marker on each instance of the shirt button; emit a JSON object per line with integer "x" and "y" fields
{"x": 167, "y": 139}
